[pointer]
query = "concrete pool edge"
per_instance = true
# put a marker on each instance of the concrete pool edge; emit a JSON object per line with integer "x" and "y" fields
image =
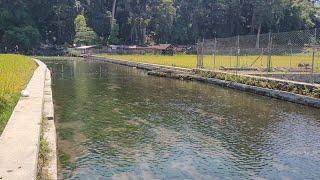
{"x": 50, "y": 131}
{"x": 182, "y": 73}
{"x": 19, "y": 142}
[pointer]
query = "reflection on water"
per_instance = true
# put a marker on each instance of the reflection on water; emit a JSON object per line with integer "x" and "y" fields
{"x": 116, "y": 122}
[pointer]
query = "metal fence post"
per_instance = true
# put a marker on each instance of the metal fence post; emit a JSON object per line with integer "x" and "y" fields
{"x": 238, "y": 51}
{"x": 314, "y": 50}
{"x": 230, "y": 58}
{"x": 290, "y": 61}
{"x": 214, "y": 53}
{"x": 199, "y": 54}
{"x": 269, "y": 53}
{"x": 313, "y": 54}
{"x": 202, "y": 54}
{"x": 261, "y": 63}
{"x": 313, "y": 59}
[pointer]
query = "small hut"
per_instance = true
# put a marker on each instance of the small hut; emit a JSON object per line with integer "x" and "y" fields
{"x": 85, "y": 49}
{"x": 164, "y": 49}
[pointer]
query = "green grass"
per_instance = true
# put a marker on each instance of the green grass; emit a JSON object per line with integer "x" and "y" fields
{"x": 190, "y": 61}
{"x": 185, "y": 61}
{"x": 44, "y": 152}
{"x": 15, "y": 73}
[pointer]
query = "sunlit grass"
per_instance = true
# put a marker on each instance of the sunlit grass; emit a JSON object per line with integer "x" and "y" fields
{"x": 185, "y": 61}
{"x": 211, "y": 62}
{"x": 260, "y": 62}
{"x": 15, "y": 72}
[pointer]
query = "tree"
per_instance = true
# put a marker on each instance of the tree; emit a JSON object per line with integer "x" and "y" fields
{"x": 148, "y": 21}
{"x": 84, "y": 34}
{"x": 26, "y": 38}
{"x": 163, "y": 16}
{"x": 98, "y": 15}
{"x": 17, "y": 26}
{"x": 113, "y": 38}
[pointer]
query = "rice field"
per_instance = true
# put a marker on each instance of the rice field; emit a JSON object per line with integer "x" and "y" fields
{"x": 15, "y": 73}
{"x": 260, "y": 62}
{"x": 211, "y": 62}
{"x": 185, "y": 61}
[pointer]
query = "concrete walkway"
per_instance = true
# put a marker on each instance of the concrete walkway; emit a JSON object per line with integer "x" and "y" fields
{"x": 19, "y": 143}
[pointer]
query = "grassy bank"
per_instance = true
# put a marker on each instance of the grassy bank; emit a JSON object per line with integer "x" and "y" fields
{"x": 190, "y": 61}
{"x": 15, "y": 73}
{"x": 58, "y": 58}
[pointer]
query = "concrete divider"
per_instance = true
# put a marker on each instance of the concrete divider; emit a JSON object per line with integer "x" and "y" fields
{"x": 282, "y": 95}
{"x": 50, "y": 131}
{"x": 19, "y": 142}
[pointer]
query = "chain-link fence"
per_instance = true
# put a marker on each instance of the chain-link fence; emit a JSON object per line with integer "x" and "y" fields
{"x": 290, "y": 52}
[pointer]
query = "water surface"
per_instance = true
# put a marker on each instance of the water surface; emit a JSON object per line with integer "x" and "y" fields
{"x": 116, "y": 122}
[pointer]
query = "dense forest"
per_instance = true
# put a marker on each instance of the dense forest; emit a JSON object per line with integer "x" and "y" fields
{"x": 30, "y": 23}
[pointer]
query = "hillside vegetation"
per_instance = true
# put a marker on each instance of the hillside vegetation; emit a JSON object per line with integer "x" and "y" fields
{"x": 28, "y": 23}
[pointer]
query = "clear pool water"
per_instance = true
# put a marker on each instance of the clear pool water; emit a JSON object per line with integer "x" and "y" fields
{"x": 116, "y": 122}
